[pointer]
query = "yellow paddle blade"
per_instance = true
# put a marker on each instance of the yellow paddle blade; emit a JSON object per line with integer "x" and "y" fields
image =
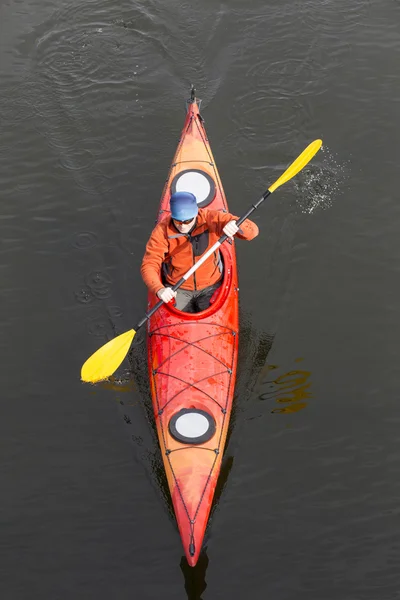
{"x": 107, "y": 359}
{"x": 298, "y": 164}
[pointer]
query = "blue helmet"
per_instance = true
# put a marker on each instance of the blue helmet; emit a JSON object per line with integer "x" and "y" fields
{"x": 183, "y": 206}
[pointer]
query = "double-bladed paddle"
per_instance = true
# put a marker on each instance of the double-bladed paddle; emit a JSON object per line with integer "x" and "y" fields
{"x": 107, "y": 359}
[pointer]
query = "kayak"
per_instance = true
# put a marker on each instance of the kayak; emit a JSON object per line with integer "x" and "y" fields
{"x": 192, "y": 358}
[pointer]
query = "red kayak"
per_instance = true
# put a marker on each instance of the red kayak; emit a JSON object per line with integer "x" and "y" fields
{"x": 192, "y": 357}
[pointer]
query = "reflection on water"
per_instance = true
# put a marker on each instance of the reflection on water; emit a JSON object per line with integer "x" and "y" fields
{"x": 118, "y": 384}
{"x": 290, "y": 389}
{"x": 195, "y": 577}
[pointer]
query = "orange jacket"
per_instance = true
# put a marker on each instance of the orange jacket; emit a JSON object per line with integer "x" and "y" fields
{"x": 174, "y": 253}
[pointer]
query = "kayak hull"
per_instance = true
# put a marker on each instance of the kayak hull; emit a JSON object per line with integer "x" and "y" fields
{"x": 192, "y": 358}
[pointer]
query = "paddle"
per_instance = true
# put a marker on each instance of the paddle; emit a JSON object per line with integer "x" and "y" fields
{"x": 107, "y": 359}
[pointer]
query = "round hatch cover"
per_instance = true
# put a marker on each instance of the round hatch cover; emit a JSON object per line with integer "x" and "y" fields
{"x": 197, "y": 182}
{"x": 192, "y": 426}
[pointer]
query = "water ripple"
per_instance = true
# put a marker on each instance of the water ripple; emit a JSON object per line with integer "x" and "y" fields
{"x": 85, "y": 240}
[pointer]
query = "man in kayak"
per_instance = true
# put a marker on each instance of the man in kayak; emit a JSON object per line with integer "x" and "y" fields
{"x": 177, "y": 242}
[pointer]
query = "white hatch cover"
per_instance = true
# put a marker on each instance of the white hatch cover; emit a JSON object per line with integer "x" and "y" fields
{"x": 192, "y": 426}
{"x": 197, "y": 182}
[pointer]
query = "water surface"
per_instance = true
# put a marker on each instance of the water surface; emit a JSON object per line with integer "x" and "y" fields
{"x": 92, "y": 103}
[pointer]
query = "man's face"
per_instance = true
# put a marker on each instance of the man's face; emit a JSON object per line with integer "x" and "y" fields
{"x": 184, "y": 226}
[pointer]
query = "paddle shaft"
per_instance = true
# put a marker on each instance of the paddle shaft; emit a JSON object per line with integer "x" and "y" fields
{"x": 209, "y": 252}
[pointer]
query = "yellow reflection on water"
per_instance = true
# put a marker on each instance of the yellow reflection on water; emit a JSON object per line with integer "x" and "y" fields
{"x": 117, "y": 386}
{"x": 291, "y": 388}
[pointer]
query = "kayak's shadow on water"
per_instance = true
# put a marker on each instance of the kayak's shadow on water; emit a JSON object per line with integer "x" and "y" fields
{"x": 195, "y": 577}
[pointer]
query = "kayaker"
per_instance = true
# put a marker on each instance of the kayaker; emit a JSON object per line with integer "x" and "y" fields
{"x": 178, "y": 241}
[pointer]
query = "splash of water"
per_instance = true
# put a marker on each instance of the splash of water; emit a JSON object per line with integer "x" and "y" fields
{"x": 318, "y": 185}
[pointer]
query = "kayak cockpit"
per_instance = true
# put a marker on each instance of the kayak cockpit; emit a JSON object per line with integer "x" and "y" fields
{"x": 220, "y": 295}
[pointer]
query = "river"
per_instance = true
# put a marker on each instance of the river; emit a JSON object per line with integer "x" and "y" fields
{"x": 91, "y": 105}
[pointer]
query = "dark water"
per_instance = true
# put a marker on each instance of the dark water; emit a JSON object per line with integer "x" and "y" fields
{"x": 91, "y": 105}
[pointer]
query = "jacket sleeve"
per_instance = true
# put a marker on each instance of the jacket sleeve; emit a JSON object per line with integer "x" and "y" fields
{"x": 156, "y": 251}
{"x": 247, "y": 231}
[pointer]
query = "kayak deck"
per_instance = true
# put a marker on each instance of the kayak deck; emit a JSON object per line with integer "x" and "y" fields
{"x": 192, "y": 359}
